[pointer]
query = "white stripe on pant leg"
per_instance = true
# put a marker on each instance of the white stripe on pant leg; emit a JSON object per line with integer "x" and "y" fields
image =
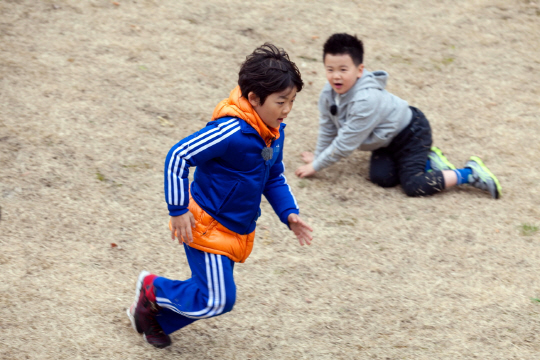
{"x": 172, "y": 308}
{"x": 216, "y": 287}
{"x": 160, "y": 299}
{"x": 219, "y": 288}
{"x": 194, "y": 314}
{"x": 211, "y": 290}
{"x": 222, "y": 287}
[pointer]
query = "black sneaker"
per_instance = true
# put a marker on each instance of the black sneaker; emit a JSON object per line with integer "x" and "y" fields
{"x": 144, "y": 310}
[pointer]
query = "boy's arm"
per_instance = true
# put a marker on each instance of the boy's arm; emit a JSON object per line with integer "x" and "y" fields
{"x": 327, "y": 133}
{"x": 360, "y": 123}
{"x": 279, "y": 195}
{"x": 278, "y": 192}
{"x": 327, "y": 129}
{"x": 210, "y": 142}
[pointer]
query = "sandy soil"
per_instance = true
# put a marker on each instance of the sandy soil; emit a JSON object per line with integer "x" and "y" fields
{"x": 94, "y": 93}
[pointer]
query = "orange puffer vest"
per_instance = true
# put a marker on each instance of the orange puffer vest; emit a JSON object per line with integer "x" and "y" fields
{"x": 209, "y": 235}
{"x": 212, "y": 237}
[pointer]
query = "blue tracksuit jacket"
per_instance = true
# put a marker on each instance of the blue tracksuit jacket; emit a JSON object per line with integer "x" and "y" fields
{"x": 231, "y": 175}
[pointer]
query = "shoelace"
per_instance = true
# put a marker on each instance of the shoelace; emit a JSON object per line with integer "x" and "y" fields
{"x": 155, "y": 329}
{"x": 478, "y": 182}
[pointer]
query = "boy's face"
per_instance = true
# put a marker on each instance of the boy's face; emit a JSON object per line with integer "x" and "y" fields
{"x": 276, "y": 107}
{"x": 341, "y": 72}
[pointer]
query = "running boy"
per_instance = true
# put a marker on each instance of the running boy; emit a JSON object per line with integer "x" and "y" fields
{"x": 357, "y": 112}
{"x": 239, "y": 157}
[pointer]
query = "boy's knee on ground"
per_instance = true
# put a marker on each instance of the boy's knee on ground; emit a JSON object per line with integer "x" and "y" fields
{"x": 413, "y": 191}
{"x": 420, "y": 185}
{"x": 383, "y": 180}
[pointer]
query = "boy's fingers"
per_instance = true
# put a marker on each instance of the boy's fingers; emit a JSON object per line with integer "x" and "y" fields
{"x": 304, "y": 224}
{"x": 189, "y": 235}
{"x": 182, "y": 235}
{"x": 307, "y": 239}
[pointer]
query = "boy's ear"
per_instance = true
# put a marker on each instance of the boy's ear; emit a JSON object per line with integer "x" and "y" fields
{"x": 253, "y": 99}
{"x": 360, "y": 70}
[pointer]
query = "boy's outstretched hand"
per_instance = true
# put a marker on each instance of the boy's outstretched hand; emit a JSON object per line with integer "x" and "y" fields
{"x": 181, "y": 227}
{"x": 306, "y": 170}
{"x": 300, "y": 229}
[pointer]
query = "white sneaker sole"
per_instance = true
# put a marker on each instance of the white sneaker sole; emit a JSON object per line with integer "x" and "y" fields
{"x": 131, "y": 310}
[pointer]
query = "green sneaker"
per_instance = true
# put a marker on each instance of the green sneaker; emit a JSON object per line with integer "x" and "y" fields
{"x": 438, "y": 161}
{"x": 482, "y": 178}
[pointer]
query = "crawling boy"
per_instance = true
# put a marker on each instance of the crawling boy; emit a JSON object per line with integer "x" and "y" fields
{"x": 357, "y": 112}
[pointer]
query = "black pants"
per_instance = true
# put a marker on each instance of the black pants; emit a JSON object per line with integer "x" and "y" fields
{"x": 404, "y": 160}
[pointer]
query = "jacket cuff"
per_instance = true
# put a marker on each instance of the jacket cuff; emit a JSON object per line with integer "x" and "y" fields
{"x": 317, "y": 165}
{"x": 177, "y": 210}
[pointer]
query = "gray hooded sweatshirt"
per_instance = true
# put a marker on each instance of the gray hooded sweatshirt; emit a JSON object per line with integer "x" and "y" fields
{"x": 368, "y": 117}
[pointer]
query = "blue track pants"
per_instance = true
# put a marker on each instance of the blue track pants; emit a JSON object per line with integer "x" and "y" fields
{"x": 209, "y": 292}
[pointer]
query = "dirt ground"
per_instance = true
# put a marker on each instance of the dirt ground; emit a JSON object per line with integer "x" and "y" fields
{"x": 94, "y": 93}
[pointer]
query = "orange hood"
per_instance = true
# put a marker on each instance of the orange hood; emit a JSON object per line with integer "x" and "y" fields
{"x": 238, "y": 106}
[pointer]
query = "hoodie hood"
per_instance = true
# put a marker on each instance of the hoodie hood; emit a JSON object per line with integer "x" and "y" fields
{"x": 373, "y": 80}
{"x": 238, "y": 106}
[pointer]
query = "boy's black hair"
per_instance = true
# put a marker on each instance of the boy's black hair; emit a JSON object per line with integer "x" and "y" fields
{"x": 268, "y": 70}
{"x": 345, "y": 44}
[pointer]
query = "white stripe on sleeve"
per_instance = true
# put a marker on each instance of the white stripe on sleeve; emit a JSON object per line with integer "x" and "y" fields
{"x": 174, "y": 177}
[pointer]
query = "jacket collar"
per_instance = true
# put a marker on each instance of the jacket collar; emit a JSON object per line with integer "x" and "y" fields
{"x": 246, "y": 128}
{"x": 238, "y": 106}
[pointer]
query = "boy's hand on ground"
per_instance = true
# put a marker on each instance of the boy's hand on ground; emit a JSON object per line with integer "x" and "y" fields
{"x": 308, "y": 157}
{"x": 300, "y": 229}
{"x": 305, "y": 170}
{"x": 181, "y": 227}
